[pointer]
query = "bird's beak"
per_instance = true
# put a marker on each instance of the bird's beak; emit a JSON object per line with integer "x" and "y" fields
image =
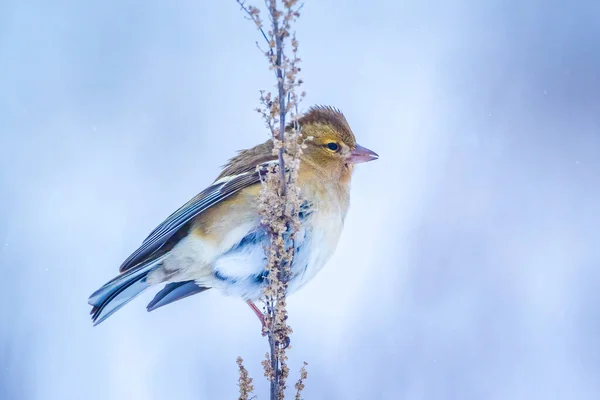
{"x": 362, "y": 154}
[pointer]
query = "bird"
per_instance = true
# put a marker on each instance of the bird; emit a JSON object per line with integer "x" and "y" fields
{"x": 216, "y": 239}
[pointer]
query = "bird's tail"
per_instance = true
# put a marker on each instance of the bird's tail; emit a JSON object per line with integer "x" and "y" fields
{"x": 121, "y": 290}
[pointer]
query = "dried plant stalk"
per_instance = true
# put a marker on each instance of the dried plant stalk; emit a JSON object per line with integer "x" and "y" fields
{"x": 300, "y": 384}
{"x": 279, "y": 200}
{"x": 244, "y": 381}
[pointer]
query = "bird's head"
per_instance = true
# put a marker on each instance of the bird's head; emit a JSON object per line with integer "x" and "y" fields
{"x": 331, "y": 151}
{"x": 331, "y": 147}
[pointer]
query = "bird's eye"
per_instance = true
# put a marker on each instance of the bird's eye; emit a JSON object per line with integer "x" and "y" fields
{"x": 333, "y": 146}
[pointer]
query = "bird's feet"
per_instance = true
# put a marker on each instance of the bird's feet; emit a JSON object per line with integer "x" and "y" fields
{"x": 260, "y": 316}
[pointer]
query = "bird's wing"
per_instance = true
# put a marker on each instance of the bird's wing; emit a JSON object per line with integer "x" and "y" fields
{"x": 218, "y": 191}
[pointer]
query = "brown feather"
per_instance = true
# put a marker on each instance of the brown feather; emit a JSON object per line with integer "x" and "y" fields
{"x": 327, "y": 115}
{"x": 312, "y": 123}
{"x": 247, "y": 160}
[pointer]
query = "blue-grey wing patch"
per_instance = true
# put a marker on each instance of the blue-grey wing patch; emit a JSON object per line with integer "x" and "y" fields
{"x": 173, "y": 292}
{"x": 218, "y": 191}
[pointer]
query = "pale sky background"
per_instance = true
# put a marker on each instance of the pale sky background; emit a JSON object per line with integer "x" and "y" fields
{"x": 469, "y": 265}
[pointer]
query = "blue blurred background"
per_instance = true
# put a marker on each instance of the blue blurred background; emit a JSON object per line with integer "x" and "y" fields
{"x": 468, "y": 268}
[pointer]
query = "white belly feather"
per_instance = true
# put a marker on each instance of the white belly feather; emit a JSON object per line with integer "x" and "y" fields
{"x": 325, "y": 231}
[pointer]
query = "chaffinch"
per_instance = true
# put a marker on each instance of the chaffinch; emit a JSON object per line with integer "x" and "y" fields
{"x": 216, "y": 240}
